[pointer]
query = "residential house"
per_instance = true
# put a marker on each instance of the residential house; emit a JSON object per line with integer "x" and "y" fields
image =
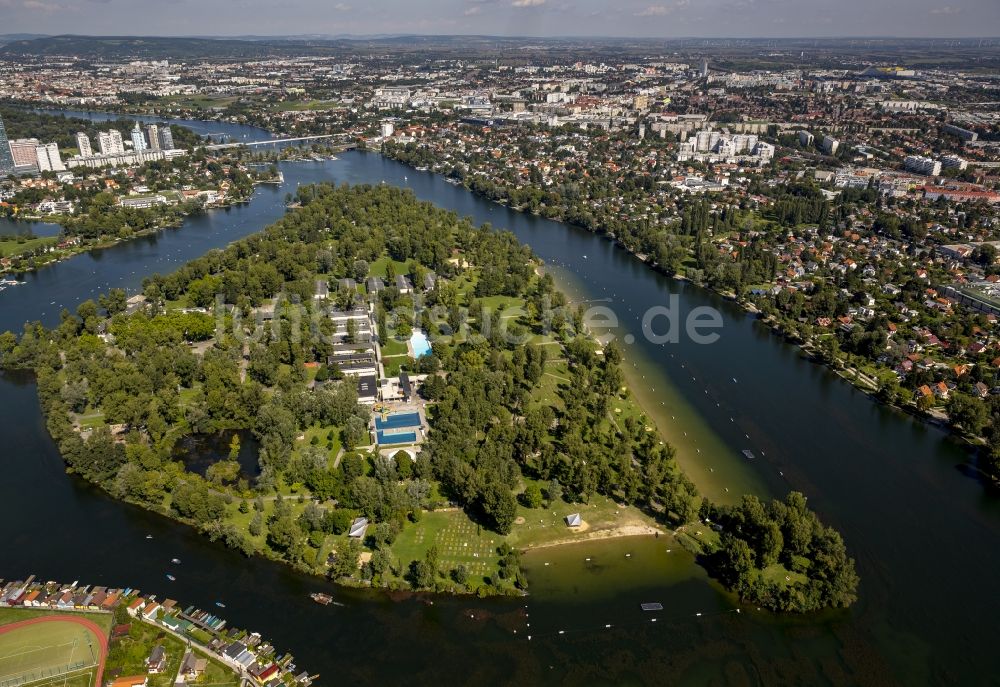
{"x": 131, "y": 681}
{"x": 157, "y": 660}
{"x": 374, "y": 285}
{"x": 192, "y": 667}
{"x": 149, "y": 611}
{"x": 403, "y": 284}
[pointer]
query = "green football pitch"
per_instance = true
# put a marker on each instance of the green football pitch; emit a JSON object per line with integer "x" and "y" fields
{"x": 48, "y": 653}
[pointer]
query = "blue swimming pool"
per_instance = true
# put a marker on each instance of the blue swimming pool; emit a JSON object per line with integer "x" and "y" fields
{"x": 418, "y": 341}
{"x": 397, "y": 438}
{"x": 397, "y": 421}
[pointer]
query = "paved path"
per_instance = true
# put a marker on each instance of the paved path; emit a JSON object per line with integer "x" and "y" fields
{"x": 88, "y": 624}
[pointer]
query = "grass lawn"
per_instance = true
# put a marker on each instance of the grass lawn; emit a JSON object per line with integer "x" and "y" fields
{"x": 392, "y": 346}
{"x": 91, "y": 420}
{"x": 64, "y": 652}
{"x": 459, "y": 542}
{"x": 624, "y": 407}
{"x": 464, "y": 284}
{"x": 377, "y": 268}
{"x": 698, "y": 538}
{"x": 242, "y": 520}
{"x": 197, "y": 101}
{"x": 554, "y": 378}
{"x": 393, "y": 364}
{"x": 14, "y": 615}
{"x": 186, "y": 396}
{"x": 779, "y": 574}
{"x": 505, "y": 304}
{"x": 217, "y": 675}
{"x": 322, "y": 433}
{"x": 546, "y": 340}
{"x": 299, "y": 105}
{"x": 10, "y": 246}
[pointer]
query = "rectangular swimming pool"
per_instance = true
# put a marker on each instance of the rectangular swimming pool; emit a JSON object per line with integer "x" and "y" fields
{"x": 397, "y": 421}
{"x": 398, "y": 438}
{"x": 419, "y": 344}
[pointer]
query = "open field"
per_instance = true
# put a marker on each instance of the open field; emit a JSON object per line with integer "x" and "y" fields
{"x": 378, "y": 268}
{"x": 10, "y": 246}
{"x": 198, "y": 102}
{"x": 303, "y": 105}
{"x": 52, "y": 650}
{"x": 602, "y": 517}
{"x": 459, "y": 541}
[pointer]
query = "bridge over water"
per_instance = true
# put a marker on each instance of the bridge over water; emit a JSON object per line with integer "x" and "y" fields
{"x": 270, "y": 141}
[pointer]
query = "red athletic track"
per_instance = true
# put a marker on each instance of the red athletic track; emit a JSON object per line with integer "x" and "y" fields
{"x": 89, "y": 624}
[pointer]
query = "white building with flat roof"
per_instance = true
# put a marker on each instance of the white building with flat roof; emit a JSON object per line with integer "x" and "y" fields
{"x": 48, "y": 158}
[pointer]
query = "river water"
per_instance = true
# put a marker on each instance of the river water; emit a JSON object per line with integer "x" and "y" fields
{"x": 924, "y": 532}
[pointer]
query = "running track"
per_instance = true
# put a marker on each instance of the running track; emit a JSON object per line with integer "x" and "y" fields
{"x": 89, "y": 624}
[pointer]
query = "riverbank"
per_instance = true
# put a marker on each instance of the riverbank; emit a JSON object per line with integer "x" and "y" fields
{"x": 70, "y": 245}
{"x": 719, "y": 473}
{"x": 599, "y": 535}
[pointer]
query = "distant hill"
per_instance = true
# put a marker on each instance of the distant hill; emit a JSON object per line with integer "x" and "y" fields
{"x": 250, "y": 47}
{"x": 724, "y": 53}
{"x": 142, "y": 47}
{"x": 6, "y": 38}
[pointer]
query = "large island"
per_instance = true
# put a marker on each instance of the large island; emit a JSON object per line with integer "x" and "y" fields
{"x": 390, "y": 396}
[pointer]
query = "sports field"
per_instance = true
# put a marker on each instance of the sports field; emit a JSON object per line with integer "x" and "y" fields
{"x": 52, "y": 650}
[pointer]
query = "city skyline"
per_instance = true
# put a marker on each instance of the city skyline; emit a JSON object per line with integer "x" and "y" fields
{"x": 541, "y": 18}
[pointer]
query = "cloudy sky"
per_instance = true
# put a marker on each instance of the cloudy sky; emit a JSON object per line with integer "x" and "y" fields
{"x": 654, "y": 18}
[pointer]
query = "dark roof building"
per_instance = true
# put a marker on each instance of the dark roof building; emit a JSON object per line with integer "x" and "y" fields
{"x": 367, "y": 389}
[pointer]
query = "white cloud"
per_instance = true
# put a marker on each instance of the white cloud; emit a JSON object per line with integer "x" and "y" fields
{"x": 32, "y": 6}
{"x": 527, "y": 3}
{"x": 472, "y": 11}
{"x": 662, "y": 10}
{"x": 342, "y": 7}
{"x": 947, "y": 9}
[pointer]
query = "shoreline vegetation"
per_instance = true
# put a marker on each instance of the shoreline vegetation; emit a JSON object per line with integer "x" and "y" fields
{"x": 530, "y": 421}
{"x": 68, "y": 244}
{"x": 811, "y": 347}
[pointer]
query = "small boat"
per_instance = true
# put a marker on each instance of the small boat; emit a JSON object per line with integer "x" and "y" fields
{"x": 747, "y": 453}
{"x": 652, "y": 606}
{"x": 149, "y": 536}
{"x": 171, "y": 578}
{"x": 220, "y": 604}
{"x": 321, "y": 598}
{"x": 175, "y": 561}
